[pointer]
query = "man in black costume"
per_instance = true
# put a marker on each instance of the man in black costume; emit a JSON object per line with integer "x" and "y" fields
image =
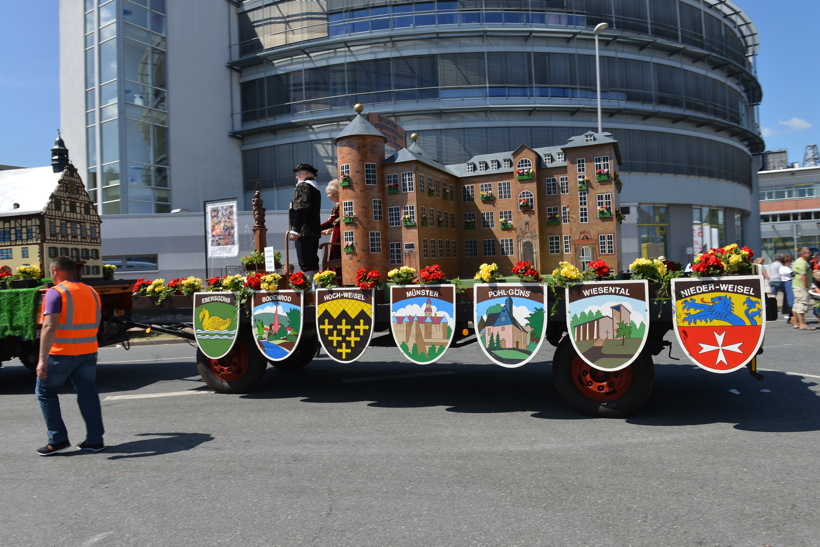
{"x": 303, "y": 217}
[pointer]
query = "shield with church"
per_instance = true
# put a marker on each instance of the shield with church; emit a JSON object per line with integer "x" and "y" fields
{"x": 216, "y": 322}
{"x": 422, "y": 318}
{"x": 344, "y": 322}
{"x": 277, "y": 322}
{"x": 510, "y": 321}
{"x": 608, "y": 321}
{"x": 719, "y": 321}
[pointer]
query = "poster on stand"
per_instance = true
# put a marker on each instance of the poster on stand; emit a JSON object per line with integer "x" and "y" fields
{"x": 220, "y": 219}
{"x": 277, "y": 322}
{"x": 719, "y": 321}
{"x": 344, "y": 322}
{"x": 216, "y": 322}
{"x": 422, "y": 319}
{"x": 608, "y": 321}
{"x": 510, "y": 321}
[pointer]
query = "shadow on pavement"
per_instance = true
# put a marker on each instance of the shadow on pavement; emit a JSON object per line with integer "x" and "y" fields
{"x": 163, "y": 443}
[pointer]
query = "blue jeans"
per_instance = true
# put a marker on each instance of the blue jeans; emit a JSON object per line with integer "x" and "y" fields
{"x": 82, "y": 369}
{"x": 776, "y": 286}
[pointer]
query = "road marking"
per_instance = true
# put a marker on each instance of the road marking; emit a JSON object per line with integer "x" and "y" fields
{"x": 397, "y": 376}
{"x": 789, "y": 373}
{"x": 180, "y": 359}
{"x": 95, "y": 539}
{"x": 153, "y": 395}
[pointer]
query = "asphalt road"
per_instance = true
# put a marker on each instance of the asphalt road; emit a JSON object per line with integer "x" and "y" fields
{"x": 383, "y": 452}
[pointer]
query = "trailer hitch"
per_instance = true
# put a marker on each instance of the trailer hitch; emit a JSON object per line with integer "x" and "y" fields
{"x": 668, "y": 343}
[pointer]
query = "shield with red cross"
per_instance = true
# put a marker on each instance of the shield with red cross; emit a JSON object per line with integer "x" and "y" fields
{"x": 719, "y": 321}
{"x": 344, "y": 321}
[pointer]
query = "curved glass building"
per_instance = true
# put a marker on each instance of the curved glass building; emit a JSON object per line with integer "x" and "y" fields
{"x": 477, "y": 76}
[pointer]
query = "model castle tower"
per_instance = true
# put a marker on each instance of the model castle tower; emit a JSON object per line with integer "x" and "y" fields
{"x": 540, "y": 205}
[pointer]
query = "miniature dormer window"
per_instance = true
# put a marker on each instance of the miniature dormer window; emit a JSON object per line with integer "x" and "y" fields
{"x": 559, "y": 157}
{"x": 494, "y": 164}
{"x": 482, "y": 166}
{"x": 470, "y": 167}
{"x": 524, "y": 163}
{"x": 507, "y": 163}
{"x": 548, "y": 159}
{"x": 589, "y": 138}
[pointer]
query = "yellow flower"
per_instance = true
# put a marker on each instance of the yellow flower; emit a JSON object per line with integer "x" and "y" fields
{"x": 407, "y": 270}
{"x": 393, "y": 273}
{"x": 660, "y": 266}
{"x": 730, "y": 247}
{"x": 735, "y": 259}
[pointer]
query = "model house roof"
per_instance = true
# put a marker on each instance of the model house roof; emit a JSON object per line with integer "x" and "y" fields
{"x": 359, "y": 126}
{"x": 26, "y": 191}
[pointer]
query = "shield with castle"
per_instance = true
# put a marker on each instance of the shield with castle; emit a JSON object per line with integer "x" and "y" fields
{"x": 608, "y": 321}
{"x": 216, "y": 322}
{"x": 344, "y": 322}
{"x": 422, "y": 319}
{"x": 510, "y": 321}
{"x": 719, "y": 321}
{"x": 277, "y": 322}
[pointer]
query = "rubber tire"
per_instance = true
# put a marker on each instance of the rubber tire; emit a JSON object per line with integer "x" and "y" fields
{"x": 304, "y": 353}
{"x": 643, "y": 376}
{"x": 30, "y": 355}
{"x": 243, "y": 348}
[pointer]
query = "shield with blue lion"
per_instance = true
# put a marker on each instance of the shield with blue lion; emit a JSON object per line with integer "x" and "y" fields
{"x": 719, "y": 321}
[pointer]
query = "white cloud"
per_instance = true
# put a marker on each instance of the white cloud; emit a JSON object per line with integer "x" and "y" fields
{"x": 766, "y": 132}
{"x": 416, "y": 309}
{"x": 795, "y": 124}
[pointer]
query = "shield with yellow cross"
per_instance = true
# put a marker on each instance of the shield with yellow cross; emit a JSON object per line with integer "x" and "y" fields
{"x": 344, "y": 321}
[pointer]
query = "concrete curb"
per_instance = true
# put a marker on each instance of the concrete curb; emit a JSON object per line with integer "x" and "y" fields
{"x": 160, "y": 342}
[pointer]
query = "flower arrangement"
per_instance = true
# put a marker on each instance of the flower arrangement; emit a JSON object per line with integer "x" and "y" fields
{"x": 392, "y": 187}
{"x": 270, "y": 282}
{"x": 526, "y": 273}
{"x": 254, "y": 281}
{"x": 565, "y": 274}
{"x": 645, "y": 268}
{"x": 524, "y": 174}
{"x": 602, "y": 174}
{"x": 619, "y": 184}
{"x": 211, "y": 284}
{"x": 5, "y": 278}
{"x": 524, "y": 203}
{"x": 730, "y": 259}
{"x": 505, "y": 225}
{"x": 345, "y": 180}
{"x": 349, "y": 247}
{"x": 431, "y": 192}
{"x": 598, "y": 269}
{"x": 408, "y": 221}
{"x": 108, "y": 270}
{"x": 605, "y": 211}
{"x": 424, "y": 219}
{"x": 298, "y": 282}
{"x": 619, "y": 216}
{"x": 402, "y": 276}
{"x": 487, "y": 196}
{"x": 347, "y": 219}
{"x": 325, "y": 279}
{"x": 488, "y": 273}
{"x": 28, "y": 272}
{"x": 253, "y": 259}
{"x": 469, "y": 223}
{"x": 187, "y": 286}
{"x": 445, "y": 195}
{"x": 233, "y": 283}
{"x": 440, "y": 221}
{"x": 367, "y": 279}
{"x": 553, "y": 218}
{"x": 431, "y": 274}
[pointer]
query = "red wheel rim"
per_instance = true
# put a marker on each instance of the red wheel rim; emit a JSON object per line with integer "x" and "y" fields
{"x": 599, "y": 385}
{"x": 233, "y": 366}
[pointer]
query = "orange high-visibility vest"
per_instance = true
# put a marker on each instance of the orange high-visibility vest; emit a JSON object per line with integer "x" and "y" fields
{"x": 79, "y": 320}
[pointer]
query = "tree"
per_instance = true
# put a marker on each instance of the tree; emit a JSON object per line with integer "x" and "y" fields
{"x": 624, "y": 331}
{"x": 294, "y": 319}
{"x": 536, "y": 322}
{"x": 498, "y": 341}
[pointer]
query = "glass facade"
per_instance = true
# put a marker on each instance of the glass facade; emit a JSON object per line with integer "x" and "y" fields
{"x": 653, "y": 225}
{"x": 708, "y": 228}
{"x": 126, "y": 106}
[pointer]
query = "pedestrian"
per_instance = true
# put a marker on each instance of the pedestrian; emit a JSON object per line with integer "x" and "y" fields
{"x": 303, "y": 217}
{"x": 331, "y": 226}
{"x": 774, "y": 275}
{"x": 68, "y": 349}
{"x": 786, "y": 278}
{"x": 801, "y": 283}
{"x": 764, "y": 271}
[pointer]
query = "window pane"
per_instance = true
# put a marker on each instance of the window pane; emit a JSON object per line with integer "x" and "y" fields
{"x": 91, "y": 144}
{"x": 161, "y": 177}
{"x": 108, "y": 32}
{"x": 159, "y": 68}
{"x": 160, "y": 145}
{"x": 110, "y": 141}
{"x": 158, "y": 5}
{"x": 108, "y": 61}
{"x": 111, "y": 175}
{"x": 135, "y": 14}
{"x": 108, "y": 14}
{"x": 108, "y": 93}
{"x": 138, "y": 174}
{"x": 138, "y": 141}
{"x": 90, "y": 72}
{"x": 137, "y": 61}
{"x": 158, "y": 23}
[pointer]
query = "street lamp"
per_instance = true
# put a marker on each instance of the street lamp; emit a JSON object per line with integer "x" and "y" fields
{"x": 599, "y": 28}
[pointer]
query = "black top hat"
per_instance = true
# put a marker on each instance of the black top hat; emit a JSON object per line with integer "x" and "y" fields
{"x": 306, "y": 167}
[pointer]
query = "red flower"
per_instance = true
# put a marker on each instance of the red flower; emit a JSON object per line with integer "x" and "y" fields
{"x": 213, "y": 281}
{"x": 751, "y": 252}
{"x": 298, "y": 281}
{"x": 431, "y": 274}
{"x": 4, "y": 273}
{"x": 141, "y": 283}
{"x": 254, "y": 281}
{"x": 600, "y": 268}
{"x": 367, "y": 280}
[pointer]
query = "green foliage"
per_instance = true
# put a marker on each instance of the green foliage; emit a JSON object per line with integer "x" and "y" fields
{"x": 294, "y": 319}
{"x": 536, "y": 321}
{"x": 260, "y": 330}
{"x": 638, "y": 331}
{"x": 624, "y": 331}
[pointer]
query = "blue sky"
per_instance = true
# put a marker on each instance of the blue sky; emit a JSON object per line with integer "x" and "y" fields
{"x": 29, "y": 77}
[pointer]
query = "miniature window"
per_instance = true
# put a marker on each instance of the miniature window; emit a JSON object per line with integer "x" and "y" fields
{"x": 424, "y": 249}
{"x": 567, "y": 245}
{"x": 378, "y": 214}
{"x": 589, "y": 138}
{"x": 565, "y": 214}
{"x": 564, "y": 181}
{"x": 526, "y": 199}
{"x": 555, "y": 245}
{"x": 507, "y": 247}
{"x": 524, "y": 163}
{"x": 489, "y": 247}
{"x": 507, "y": 163}
{"x": 470, "y": 247}
{"x": 606, "y": 244}
{"x": 559, "y": 157}
{"x": 470, "y": 167}
{"x": 604, "y": 200}
{"x": 395, "y": 252}
{"x": 504, "y": 191}
{"x": 482, "y": 166}
{"x": 487, "y": 219}
{"x": 370, "y": 174}
{"x": 394, "y": 216}
{"x": 347, "y": 208}
{"x": 581, "y": 164}
{"x": 601, "y": 163}
{"x": 344, "y": 170}
{"x": 375, "y": 242}
{"x": 441, "y": 248}
{"x": 409, "y": 213}
{"x": 552, "y": 186}
{"x": 407, "y": 182}
{"x": 467, "y": 193}
{"x": 494, "y": 164}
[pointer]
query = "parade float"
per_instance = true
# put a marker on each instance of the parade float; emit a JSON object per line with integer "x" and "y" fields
{"x": 418, "y": 287}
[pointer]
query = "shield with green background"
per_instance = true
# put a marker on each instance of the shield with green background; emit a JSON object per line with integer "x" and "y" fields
{"x": 277, "y": 322}
{"x": 216, "y": 322}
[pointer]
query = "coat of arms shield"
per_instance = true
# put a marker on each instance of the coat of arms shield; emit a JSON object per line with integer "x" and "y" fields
{"x": 277, "y": 322}
{"x": 719, "y": 321}
{"x": 344, "y": 321}
{"x": 422, "y": 318}
{"x": 608, "y": 321}
{"x": 216, "y": 322}
{"x": 510, "y": 321}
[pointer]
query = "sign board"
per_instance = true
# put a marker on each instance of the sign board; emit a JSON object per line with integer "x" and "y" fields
{"x": 422, "y": 319}
{"x": 344, "y": 321}
{"x": 216, "y": 322}
{"x": 277, "y": 322}
{"x": 221, "y": 221}
{"x": 270, "y": 262}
